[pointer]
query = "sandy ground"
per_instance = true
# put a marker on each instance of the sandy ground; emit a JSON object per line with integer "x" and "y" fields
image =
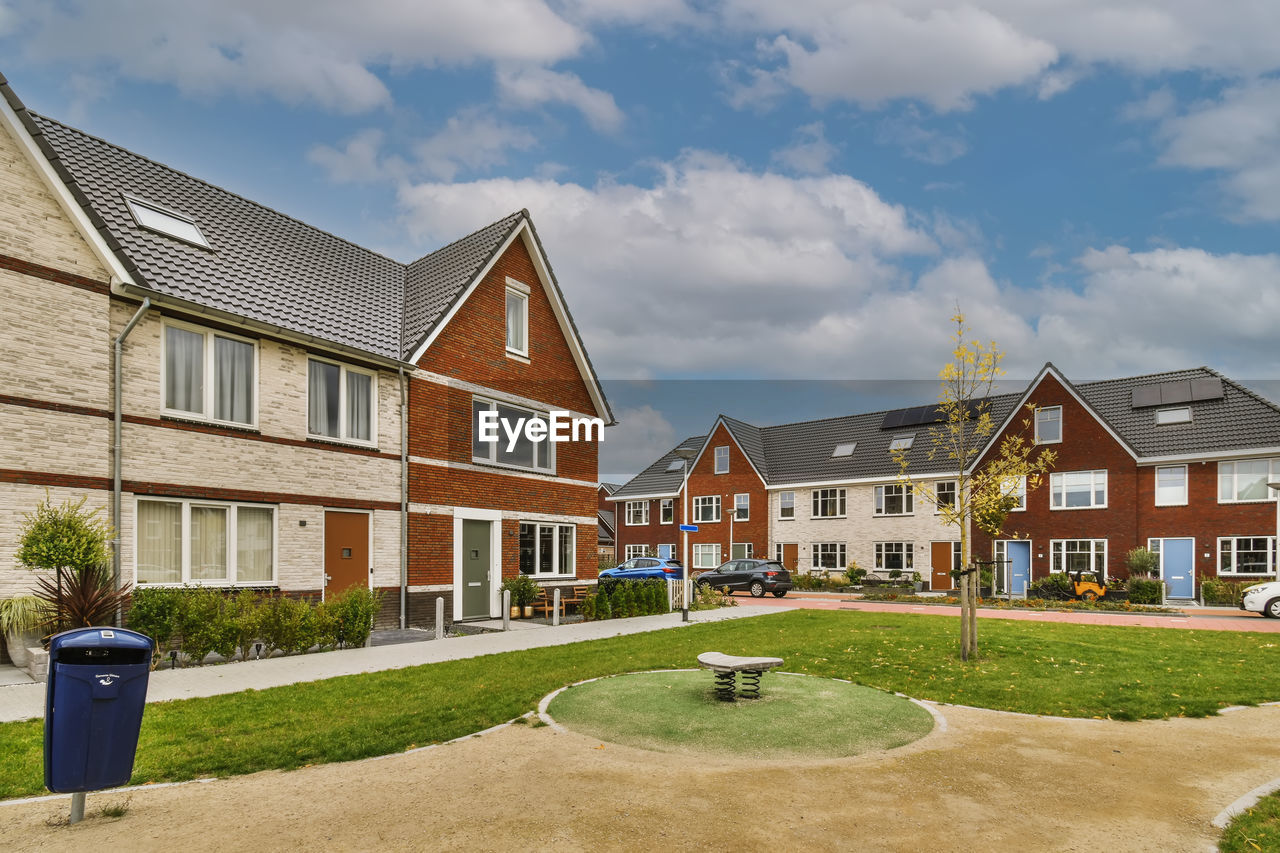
{"x": 989, "y": 781}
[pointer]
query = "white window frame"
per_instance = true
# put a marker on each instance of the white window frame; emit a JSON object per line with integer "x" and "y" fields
{"x": 820, "y": 549}
{"x": 1235, "y": 550}
{"x": 902, "y": 442}
{"x": 137, "y": 204}
{"x": 521, "y": 292}
{"x": 1273, "y": 467}
{"x": 844, "y": 449}
{"x": 1056, "y": 480}
{"x": 748, "y": 550}
{"x": 672, "y": 549}
{"x": 882, "y": 493}
{"x": 937, "y": 493}
{"x": 1186, "y": 485}
{"x": 1046, "y": 410}
{"x": 722, "y": 460}
{"x": 1058, "y": 554}
{"x": 906, "y": 549}
{"x": 344, "y": 429}
{"x": 702, "y": 501}
{"x": 555, "y": 551}
{"x": 839, "y": 496}
{"x": 1176, "y": 415}
{"x": 209, "y": 384}
{"x": 633, "y": 551}
{"x": 701, "y": 550}
{"x": 232, "y": 508}
{"x": 640, "y": 507}
{"x": 741, "y": 511}
{"x": 492, "y": 459}
{"x": 782, "y": 506}
{"x": 1018, "y": 490}
{"x": 667, "y": 511}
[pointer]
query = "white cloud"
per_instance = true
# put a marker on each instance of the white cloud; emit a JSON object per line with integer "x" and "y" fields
{"x": 298, "y": 51}
{"x": 653, "y": 14}
{"x": 913, "y": 139}
{"x": 809, "y": 154}
{"x": 472, "y": 139}
{"x": 359, "y": 161}
{"x": 532, "y": 87}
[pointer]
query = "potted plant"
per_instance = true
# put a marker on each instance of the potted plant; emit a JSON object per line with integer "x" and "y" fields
{"x": 916, "y": 581}
{"x": 21, "y": 621}
{"x": 523, "y": 592}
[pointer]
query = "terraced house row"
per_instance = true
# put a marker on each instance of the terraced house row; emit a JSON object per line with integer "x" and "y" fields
{"x": 255, "y": 402}
{"x": 1178, "y": 462}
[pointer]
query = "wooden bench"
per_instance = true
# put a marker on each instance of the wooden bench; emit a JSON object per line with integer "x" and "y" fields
{"x": 726, "y": 668}
{"x": 545, "y": 603}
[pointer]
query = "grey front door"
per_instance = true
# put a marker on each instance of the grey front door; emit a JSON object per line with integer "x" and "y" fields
{"x": 475, "y": 569}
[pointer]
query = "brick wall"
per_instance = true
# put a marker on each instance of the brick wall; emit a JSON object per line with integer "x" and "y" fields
{"x": 703, "y": 481}
{"x": 649, "y": 535}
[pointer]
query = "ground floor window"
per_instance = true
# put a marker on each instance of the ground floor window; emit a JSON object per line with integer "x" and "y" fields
{"x": 742, "y": 551}
{"x": 634, "y": 551}
{"x": 1079, "y": 555}
{"x": 895, "y": 555}
{"x": 828, "y": 555}
{"x": 548, "y": 549}
{"x": 1247, "y": 555}
{"x": 706, "y": 556}
{"x": 205, "y": 542}
{"x": 668, "y": 552}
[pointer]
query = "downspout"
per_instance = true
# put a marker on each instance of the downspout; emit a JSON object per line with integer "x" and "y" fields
{"x": 117, "y": 431}
{"x": 404, "y": 495}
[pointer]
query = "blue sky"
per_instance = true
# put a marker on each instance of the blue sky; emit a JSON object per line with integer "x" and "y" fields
{"x": 745, "y": 189}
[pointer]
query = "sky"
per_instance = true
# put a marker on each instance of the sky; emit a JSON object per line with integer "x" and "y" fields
{"x": 744, "y": 200}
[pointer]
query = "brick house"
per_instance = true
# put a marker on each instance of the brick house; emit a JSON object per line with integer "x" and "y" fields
{"x": 606, "y": 524}
{"x": 294, "y": 412}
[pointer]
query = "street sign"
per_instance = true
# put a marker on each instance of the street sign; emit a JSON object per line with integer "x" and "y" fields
{"x": 688, "y": 528}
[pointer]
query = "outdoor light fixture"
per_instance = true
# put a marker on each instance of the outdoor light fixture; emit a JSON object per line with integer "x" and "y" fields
{"x": 173, "y": 659}
{"x": 257, "y": 650}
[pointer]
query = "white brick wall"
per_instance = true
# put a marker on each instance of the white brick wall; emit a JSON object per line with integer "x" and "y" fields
{"x": 860, "y": 530}
{"x": 54, "y": 442}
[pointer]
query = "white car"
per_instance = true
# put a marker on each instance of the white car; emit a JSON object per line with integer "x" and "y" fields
{"x": 1262, "y": 598}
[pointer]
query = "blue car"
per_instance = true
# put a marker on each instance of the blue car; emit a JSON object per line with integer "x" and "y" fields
{"x": 642, "y": 568}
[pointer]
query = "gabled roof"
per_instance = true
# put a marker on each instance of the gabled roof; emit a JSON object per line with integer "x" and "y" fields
{"x": 605, "y": 519}
{"x": 750, "y": 441}
{"x": 609, "y": 488}
{"x": 656, "y": 481}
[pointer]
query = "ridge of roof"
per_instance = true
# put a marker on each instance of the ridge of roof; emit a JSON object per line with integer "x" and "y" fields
{"x": 1244, "y": 389}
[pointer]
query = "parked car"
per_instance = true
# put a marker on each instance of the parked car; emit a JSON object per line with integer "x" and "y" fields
{"x": 754, "y": 576}
{"x": 1262, "y": 598}
{"x": 642, "y": 568}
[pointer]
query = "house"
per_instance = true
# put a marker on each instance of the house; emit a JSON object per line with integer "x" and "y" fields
{"x": 287, "y": 410}
{"x": 1177, "y": 462}
{"x": 606, "y": 524}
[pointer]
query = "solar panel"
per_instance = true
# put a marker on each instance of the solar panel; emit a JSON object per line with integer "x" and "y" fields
{"x": 1206, "y": 389}
{"x": 1175, "y": 392}
{"x": 1146, "y": 395}
{"x": 893, "y": 419}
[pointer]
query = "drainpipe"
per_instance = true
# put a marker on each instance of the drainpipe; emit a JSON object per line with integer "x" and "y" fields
{"x": 404, "y": 496}
{"x": 117, "y": 431}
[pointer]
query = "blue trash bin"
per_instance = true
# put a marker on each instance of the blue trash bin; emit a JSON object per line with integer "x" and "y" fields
{"x": 93, "y": 708}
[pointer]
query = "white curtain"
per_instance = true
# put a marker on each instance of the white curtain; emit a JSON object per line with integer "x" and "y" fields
{"x": 359, "y": 401}
{"x": 233, "y": 380}
{"x": 254, "y": 533}
{"x": 208, "y": 543}
{"x": 322, "y": 399}
{"x": 184, "y": 370}
{"x": 159, "y": 542}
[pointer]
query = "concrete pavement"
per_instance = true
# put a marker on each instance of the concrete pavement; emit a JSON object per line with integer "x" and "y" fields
{"x": 26, "y": 701}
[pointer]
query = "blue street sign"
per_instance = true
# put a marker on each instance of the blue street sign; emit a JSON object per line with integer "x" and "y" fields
{"x": 688, "y": 528}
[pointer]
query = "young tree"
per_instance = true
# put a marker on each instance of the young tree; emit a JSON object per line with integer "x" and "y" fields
{"x": 984, "y": 495}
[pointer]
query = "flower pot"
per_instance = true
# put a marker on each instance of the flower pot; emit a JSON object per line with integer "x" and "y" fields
{"x": 528, "y": 611}
{"x": 515, "y": 612}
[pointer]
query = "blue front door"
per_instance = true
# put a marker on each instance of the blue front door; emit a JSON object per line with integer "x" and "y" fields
{"x": 1019, "y": 555}
{"x": 1176, "y": 558}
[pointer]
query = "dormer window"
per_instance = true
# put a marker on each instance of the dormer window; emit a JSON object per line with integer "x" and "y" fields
{"x": 1180, "y": 415}
{"x": 162, "y": 220}
{"x": 845, "y": 449}
{"x": 517, "y": 318}
{"x": 902, "y": 442}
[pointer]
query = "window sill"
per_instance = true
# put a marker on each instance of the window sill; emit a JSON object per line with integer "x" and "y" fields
{"x": 339, "y": 442}
{"x": 498, "y": 466}
{"x": 828, "y": 517}
{"x": 195, "y": 420}
{"x": 518, "y": 356}
{"x": 1075, "y": 508}
{"x": 898, "y": 515}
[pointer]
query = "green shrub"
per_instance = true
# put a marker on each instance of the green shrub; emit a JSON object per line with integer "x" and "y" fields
{"x": 157, "y": 612}
{"x": 894, "y": 574}
{"x": 1142, "y": 562}
{"x": 287, "y": 625}
{"x": 205, "y": 624}
{"x": 244, "y": 611}
{"x": 588, "y": 607}
{"x": 604, "y": 605}
{"x": 523, "y": 590}
{"x": 354, "y": 611}
{"x": 855, "y": 573}
{"x": 1055, "y": 587}
{"x": 1146, "y": 591}
{"x": 1223, "y": 592}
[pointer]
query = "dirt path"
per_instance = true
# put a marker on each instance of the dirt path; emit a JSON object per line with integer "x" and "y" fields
{"x": 990, "y": 781}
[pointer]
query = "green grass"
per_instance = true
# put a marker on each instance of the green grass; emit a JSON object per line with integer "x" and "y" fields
{"x": 795, "y": 716}
{"x": 1255, "y": 829}
{"x": 1032, "y": 667}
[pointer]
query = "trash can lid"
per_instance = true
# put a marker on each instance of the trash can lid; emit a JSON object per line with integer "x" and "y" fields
{"x": 98, "y": 638}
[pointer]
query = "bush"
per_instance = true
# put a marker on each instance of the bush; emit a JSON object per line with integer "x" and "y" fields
{"x": 205, "y": 625}
{"x": 244, "y": 611}
{"x": 604, "y": 605}
{"x": 287, "y": 625}
{"x": 523, "y": 590}
{"x": 157, "y": 612}
{"x": 354, "y": 611}
{"x": 1223, "y": 592}
{"x": 1142, "y": 562}
{"x": 1055, "y": 587}
{"x": 588, "y": 607}
{"x": 855, "y": 573}
{"x": 1146, "y": 591}
{"x": 895, "y": 574}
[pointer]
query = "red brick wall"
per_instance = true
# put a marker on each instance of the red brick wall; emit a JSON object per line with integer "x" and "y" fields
{"x": 1086, "y": 446}
{"x": 650, "y": 535}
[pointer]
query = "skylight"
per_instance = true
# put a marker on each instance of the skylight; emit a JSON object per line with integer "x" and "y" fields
{"x": 1180, "y": 415}
{"x": 168, "y": 222}
{"x": 902, "y": 442}
{"x": 845, "y": 449}
{"x": 676, "y": 465}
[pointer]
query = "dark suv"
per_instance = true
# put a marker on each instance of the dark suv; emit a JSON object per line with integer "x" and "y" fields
{"x": 754, "y": 576}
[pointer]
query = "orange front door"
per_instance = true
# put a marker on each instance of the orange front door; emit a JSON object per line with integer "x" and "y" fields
{"x": 942, "y": 556}
{"x": 790, "y": 556}
{"x": 346, "y": 551}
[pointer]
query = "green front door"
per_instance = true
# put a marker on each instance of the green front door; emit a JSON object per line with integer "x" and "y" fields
{"x": 475, "y": 569}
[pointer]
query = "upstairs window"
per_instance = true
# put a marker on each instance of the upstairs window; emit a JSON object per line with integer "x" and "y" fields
{"x": 945, "y": 492}
{"x": 722, "y": 459}
{"x": 894, "y": 500}
{"x": 340, "y": 401}
{"x": 706, "y": 509}
{"x": 1016, "y": 487}
{"x": 668, "y": 511}
{"x": 742, "y": 507}
{"x": 153, "y": 217}
{"x": 209, "y": 375}
{"x": 1049, "y": 425}
{"x": 523, "y": 452}
{"x": 786, "y": 504}
{"x": 1078, "y": 489}
{"x": 1171, "y": 485}
{"x": 517, "y": 318}
{"x": 637, "y": 513}
{"x": 1247, "y": 480}
{"x": 828, "y": 503}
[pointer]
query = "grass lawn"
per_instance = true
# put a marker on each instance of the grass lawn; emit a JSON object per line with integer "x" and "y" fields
{"x": 1032, "y": 667}
{"x": 1256, "y": 829}
{"x": 796, "y": 715}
